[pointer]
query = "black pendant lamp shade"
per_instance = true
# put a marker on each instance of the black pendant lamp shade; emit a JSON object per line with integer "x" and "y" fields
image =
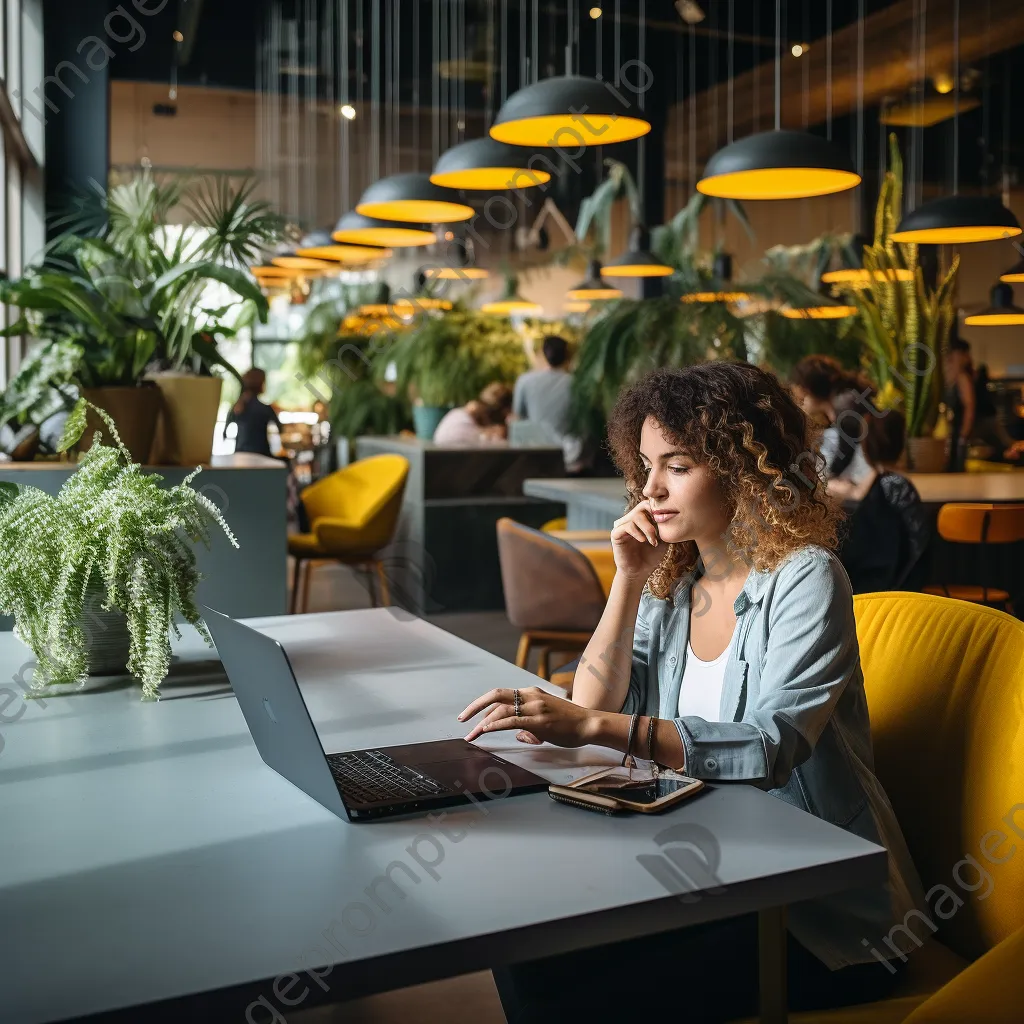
{"x": 594, "y": 288}
{"x": 567, "y": 111}
{"x": 639, "y": 261}
{"x": 355, "y": 229}
{"x": 1001, "y": 313}
{"x": 414, "y": 198}
{"x": 488, "y": 165}
{"x": 321, "y": 246}
{"x": 954, "y": 220}
{"x": 1015, "y": 275}
{"x": 778, "y": 165}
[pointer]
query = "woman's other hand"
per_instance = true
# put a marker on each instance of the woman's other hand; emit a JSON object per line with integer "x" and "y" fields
{"x": 542, "y": 716}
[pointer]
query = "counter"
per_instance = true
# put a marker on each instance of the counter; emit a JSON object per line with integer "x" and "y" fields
{"x": 445, "y": 554}
{"x": 250, "y": 491}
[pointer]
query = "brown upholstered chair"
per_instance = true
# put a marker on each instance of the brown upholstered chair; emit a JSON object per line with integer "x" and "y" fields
{"x": 552, "y": 593}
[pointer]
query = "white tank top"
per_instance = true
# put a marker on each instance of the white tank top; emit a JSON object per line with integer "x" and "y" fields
{"x": 700, "y": 693}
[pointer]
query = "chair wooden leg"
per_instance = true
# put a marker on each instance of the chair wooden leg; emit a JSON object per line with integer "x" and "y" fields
{"x": 382, "y": 579}
{"x": 305, "y": 586}
{"x": 368, "y": 570}
{"x": 544, "y": 662}
{"x": 523, "y": 653}
{"x": 295, "y": 586}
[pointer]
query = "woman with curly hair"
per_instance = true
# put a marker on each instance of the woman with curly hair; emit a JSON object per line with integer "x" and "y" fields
{"x": 729, "y": 632}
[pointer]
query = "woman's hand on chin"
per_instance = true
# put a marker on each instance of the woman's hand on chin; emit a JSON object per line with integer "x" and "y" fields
{"x": 542, "y": 717}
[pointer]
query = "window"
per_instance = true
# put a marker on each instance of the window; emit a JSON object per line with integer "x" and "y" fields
{"x": 22, "y": 211}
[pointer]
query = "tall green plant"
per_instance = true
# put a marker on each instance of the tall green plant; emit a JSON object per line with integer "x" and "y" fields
{"x": 112, "y": 529}
{"x": 906, "y": 324}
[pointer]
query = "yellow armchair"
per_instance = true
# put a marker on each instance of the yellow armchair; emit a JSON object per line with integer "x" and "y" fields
{"x": 945, "y": 689}
{"x": 352, "y": 514}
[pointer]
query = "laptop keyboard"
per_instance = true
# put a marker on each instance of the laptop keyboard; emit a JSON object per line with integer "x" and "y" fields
{"x": 370, "y": 775}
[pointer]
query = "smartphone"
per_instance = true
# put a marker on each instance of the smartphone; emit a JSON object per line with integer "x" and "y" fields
{"x": 613, "y": 789}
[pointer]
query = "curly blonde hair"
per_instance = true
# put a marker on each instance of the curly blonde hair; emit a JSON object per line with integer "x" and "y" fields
{"x": 743, "y": 425}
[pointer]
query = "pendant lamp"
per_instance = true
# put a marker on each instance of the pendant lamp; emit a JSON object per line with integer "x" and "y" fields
{"x": 355, "y": 229}
{"x": 956, "y": 220}
{"x": 511, "y": 302}
{"x": 488, "y": 165}
{"x": 567, "y": 110}
{"x": 1014, "y": 275}
{"x": 638, "y": 261}
{"x": 694, "y": 297}
{"x": 413, "y": 198}
{"x": 287, "y": 258}
{"x": 778, "y": 165}
{"x": 319, "y": 245}
{"x": 440, "y": 273}
{"x": 824, "y": 311}
{"x": 593, "y": 288}
{"x": 1001, "y": 313}
{"x": 858, "y": 277}
{"x": 270, "y": 273}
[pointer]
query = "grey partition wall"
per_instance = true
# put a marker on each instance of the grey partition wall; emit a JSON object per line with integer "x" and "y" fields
{"x": 445, "y": 556}
{"x": 249, "y": 490}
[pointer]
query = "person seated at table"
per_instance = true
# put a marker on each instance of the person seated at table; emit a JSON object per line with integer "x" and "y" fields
{"x": 729, "y": 633}
{"x": 988, "y": 428}
{"x": 888, "y": 532}
{"x": 480, "y": 421}
{"x": 543, "y": 396}
{"x": 840, "y": 399}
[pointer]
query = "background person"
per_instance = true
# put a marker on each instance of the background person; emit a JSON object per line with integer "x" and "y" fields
{"x": 729, "y": 631}
{"x": 841, "y": 400}
{"x": 960, "y": 401}
{"x": 251, "y": 416}
{"x": 480, "y": 421}
{"x": 888, "y": 532}
{"x": 544, "y": 397}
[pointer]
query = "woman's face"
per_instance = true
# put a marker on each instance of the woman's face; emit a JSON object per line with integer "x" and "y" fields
{"x": 814, "y": 408}
{"x": 685, "y": 497}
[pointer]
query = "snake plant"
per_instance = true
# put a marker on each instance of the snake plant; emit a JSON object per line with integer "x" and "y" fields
{"x": 113, "y": 529}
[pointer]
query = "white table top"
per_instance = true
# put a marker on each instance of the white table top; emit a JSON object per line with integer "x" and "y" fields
{"x": 934, "y": 488}
{"x": 147, "y": 854}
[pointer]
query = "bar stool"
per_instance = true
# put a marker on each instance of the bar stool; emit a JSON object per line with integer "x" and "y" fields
{"x": 552, "y": 593}
{"x": 984, "y": 525}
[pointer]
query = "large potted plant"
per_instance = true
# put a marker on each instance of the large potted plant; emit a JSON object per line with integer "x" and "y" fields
{"x": 96, "y": 575}
{"x": 906, "y": 325}
{"x": 446, "y": 360}
{"x": 110, "y": 306}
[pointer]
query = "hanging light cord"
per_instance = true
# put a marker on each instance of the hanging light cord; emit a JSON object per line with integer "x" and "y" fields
{"x": 641, "y": 158}
{"x": 828, "y": 70}
{"x": 504, "y": 50}
{"x": 693, "y": 107}
{"x": 956, "y": 96}
{"x": 731, "y": 58}
{"x": 778, "y": 64}
{"x": 375, "y": 93}
{"x": 436, "y": 84}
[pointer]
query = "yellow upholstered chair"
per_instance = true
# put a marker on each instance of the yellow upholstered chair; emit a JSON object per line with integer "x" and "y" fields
{"x": 352, "y": 515}
{"x": 945, "y": 689}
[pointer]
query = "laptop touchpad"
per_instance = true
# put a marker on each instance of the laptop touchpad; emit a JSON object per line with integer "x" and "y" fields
{"x": 480, "y": 774}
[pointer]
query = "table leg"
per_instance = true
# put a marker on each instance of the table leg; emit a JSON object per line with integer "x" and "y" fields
{"x": 771, "y": 951}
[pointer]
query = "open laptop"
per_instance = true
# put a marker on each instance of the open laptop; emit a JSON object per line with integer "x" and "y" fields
{"x": 357, "y": 784}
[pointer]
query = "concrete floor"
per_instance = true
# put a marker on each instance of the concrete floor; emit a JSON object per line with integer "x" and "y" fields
{"x": 470, "y": 999}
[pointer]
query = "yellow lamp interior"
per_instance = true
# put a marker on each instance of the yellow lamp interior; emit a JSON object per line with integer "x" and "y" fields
{"x": 455, "y": 273}
{"x": 995, "y": 319}
{"x": 416, "y": 211}
{"x": 392, "y": 238}
{"x": 506, "y": 306}
{"x": 819, "y": 312}
{"x": 637, "y": 270}
{"x": 406, "y": 307}
{"x": 577, "y": 307}
{"x": 300, "y": 263}
{"x": 491, "y": 179}
{"x": 272, "y": 273}
{"x": 778, "y": 183}
{"x": 955, "y": 235}
{"x": 565, "y": 129}
{"x": 345, "y": 253}
{"x": 715, "y": 297}
{"x": 595, "y": 294}
{"x": 1012, "y": 278}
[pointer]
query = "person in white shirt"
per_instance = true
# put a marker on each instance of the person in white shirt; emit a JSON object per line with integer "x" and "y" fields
{"x": 481, "y": 421}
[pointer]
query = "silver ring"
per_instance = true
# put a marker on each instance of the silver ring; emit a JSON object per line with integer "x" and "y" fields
{"x": 516, "y": 705}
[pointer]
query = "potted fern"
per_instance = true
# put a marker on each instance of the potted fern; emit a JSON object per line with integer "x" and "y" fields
{"x": 95, "y": 575}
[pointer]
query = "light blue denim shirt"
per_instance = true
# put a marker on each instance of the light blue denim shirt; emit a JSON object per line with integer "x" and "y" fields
{"x": 793, "y": 720}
